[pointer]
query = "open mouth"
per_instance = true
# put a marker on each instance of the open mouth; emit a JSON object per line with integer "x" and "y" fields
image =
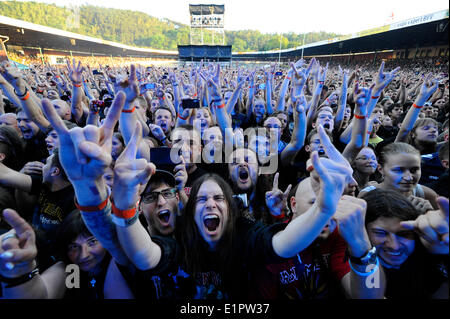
{"x": 27, "y": 133}
{"x": 326, "y": 126}
{"x": 164, "y": 216}
{"x": 163, "y": 126}
{"x": 211, "y": 222}
{"x": 203, "y": 124}
{"x": 50, "y": 147}
{"x": 243, "y": 175}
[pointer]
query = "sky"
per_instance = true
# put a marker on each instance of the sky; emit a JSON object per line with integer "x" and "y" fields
{"x": 275, "y": 16}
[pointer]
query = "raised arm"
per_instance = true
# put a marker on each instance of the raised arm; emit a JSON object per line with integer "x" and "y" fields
{"x": 428, "y": 87}
{"x": 333, "y": 174}
{"x": 316, "y": 97}
{"x": 359, "y": 128}
{"x": 85, "y": 154}
{"x": 129, "y": 174}
{"x": 339, "y": 117}
{"x": 298, "y": 134}
{"x": 28, "y": 104}
{"x": 76, "y": 76}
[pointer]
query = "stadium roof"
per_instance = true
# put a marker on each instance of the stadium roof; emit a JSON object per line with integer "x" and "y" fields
{"x": 26, "y": 34}
{"x": 427, "y": 30}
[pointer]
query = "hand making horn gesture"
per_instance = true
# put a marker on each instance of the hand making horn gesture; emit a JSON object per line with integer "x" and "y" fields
{"x": 130, "y": 173}
{"x": 276, "y": 200}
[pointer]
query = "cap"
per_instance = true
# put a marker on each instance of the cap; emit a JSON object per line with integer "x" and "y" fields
{"x": 162, "y": 176}
{"x": 427, "y": 104}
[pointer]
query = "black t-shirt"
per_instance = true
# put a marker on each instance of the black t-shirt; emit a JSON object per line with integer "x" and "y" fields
{"x": 91, "y": 287}
{"x": 51, "y": 209}
{"x": 419, "y": 277}
{"x": 252, "y": 247}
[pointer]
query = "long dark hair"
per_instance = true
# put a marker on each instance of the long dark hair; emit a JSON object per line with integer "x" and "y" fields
{"x": 189, "y": 236}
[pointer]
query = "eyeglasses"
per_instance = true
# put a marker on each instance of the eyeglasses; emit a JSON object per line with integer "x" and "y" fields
{"x": 153, "y": 196}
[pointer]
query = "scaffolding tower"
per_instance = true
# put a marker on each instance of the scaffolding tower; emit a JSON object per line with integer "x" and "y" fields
{"x": 207, "y": 24}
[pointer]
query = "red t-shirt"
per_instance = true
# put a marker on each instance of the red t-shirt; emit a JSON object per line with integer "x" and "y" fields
{"x": 315, "y": 273}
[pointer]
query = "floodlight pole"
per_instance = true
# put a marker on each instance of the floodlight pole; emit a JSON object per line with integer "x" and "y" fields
{"x": 303, "y": 45}
{"x": 279, "y": 54}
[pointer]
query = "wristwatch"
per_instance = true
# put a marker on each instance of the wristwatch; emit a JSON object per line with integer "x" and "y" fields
{"x": 369, "y": 258}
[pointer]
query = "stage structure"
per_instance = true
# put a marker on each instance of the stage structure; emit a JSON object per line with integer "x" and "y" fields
{"x": 207, "y": 53}
{"x": 210, "y": 18}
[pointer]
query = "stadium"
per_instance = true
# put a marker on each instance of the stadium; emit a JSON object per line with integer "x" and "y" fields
{"x": 178, "y": 162}
{"x": 418, "y": 37}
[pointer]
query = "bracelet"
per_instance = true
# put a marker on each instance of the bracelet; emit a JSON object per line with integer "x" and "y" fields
{"x": 361, "y": 117}
{"x": 321, "y": 82}
{"x": 97, "y": 208}
{"x": 369, "y": 132}
{"x": 417, "y": 106}
{"x": 124, "y": 222}
{"x": 288, "y": 78}
{"x": 220, "y": 106}
{"x": 183, "y": 118}
{"x": 124, "y": 214}
{"x": 129, "y": 111}
{"x": 13, "y": 282}
{"x": 375, "y": 97}
{"x": 77, "y": 85}
{"x": 310, "y": 168}
{"x": 21, "y": 95}
{"x": 365, "y": 274}
{"x": 26, "y": 96}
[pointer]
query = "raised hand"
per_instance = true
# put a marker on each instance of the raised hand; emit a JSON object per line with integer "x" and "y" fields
{"x": 350, "y": 217}
{"x": 75, "y": 72}
{"x": 13, "y": 76}
{"x": 432, "y": 228}
{"x": 129, "y": 85}
{"x": 276, "y": 200}
{"x": 383, "y": 79}
{"x": 130, "y": 173}
{"x": 18, "y": 247}
{"x": 85, "y": 153}
{"x": 330, "y": 175}
{"x": 428, "y": 87}
{"x": 362, "y": 98}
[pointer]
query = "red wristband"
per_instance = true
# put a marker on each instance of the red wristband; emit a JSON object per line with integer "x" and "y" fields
{"x": 129, "y": 111}
{"x": 416, "y": 106}
{"x": 220, "y": 106}
{"x": 288, "y": 78}
{"x": 361, "y": 117}
{"x": 26, "y": 97}
{"x": 125, "y": 214}
{"x": 321, "y": 82}
{"x": 183, "y": 118}
{"x": 375, "y": 97}
{"x": 92, "y": 208}
{"x": 278, "y": 217}
{"x": 369, "y": 132}
{"x": 310, "y": 168}
{"x": 77, "y": 85}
